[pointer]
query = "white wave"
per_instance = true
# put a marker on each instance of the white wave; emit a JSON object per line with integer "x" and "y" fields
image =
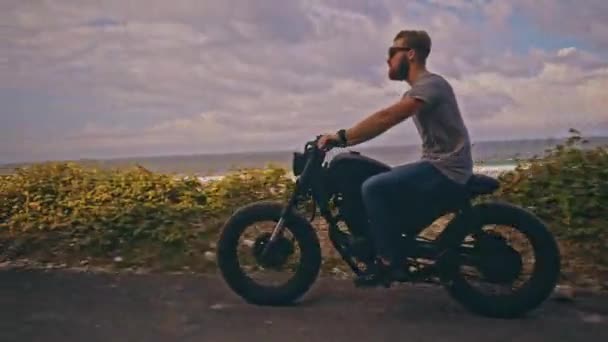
{"x": 493, "y": 170}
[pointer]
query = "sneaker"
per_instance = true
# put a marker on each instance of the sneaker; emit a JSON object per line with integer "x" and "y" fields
{"x": 381, "y": 274}
{"x": 372, "y": 276}
{"x": 368, "y": 280}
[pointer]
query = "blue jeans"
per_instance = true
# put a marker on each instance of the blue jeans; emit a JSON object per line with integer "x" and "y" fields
{"x": 406, "y": 199}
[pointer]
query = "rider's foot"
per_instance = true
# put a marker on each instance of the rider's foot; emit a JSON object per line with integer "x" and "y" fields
{"x": 372, "y": 276}
{"x": 381, "y": 273}
{"x": 368, "y": 279}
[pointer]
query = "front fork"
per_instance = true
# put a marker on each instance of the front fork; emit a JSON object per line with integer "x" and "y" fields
{"x": 335, "y": 235}
{"x": 280, "y": 226}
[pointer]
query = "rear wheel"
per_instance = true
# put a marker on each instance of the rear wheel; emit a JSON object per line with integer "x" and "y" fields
{"x": 298, "y": 239}
{"x": 511, "y": 267}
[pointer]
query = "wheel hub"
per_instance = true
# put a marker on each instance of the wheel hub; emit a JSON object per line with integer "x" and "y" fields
{"x": 281, "y": 249}
{"x": 497, "y": 261}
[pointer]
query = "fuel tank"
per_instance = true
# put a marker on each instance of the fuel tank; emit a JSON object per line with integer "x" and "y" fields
{"x": 346, "y": 174}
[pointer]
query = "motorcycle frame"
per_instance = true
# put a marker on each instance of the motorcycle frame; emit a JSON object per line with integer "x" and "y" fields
{"x": 310, "y": 181}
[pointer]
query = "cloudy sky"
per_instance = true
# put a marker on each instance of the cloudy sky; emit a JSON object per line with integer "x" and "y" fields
{"x": 110, "y": 78}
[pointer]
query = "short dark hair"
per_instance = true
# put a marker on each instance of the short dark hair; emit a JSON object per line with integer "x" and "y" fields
{"x": 418, "y": 40}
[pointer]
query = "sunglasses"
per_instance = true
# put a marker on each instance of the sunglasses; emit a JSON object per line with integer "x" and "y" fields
{"x": 394, "y": 49}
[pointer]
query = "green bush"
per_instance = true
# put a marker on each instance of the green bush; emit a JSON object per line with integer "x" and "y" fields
{"x": 243, "y": 186}
{"x": 106, "y": 212}
{"x": 100, "y": 208}
{"x": 567, "y": 187}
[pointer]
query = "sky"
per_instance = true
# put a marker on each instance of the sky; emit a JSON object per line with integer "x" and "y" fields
{"x": 118, "y": 78}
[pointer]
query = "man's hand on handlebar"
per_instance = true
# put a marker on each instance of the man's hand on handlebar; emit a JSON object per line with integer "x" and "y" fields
{"x": 328, "y": 141}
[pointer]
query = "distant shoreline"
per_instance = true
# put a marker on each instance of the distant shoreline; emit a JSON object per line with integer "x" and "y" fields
{"x": 490, "y": 156}
{"x": 535, "y": 142}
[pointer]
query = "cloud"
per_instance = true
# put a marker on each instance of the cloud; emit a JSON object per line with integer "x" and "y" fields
{"x": 90, "y": 79}
{"x": 566, "y": 93}
{"x": 586, "y": 22}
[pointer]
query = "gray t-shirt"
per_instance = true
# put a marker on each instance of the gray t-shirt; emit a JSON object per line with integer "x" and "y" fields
{"x": 445, "y": 138}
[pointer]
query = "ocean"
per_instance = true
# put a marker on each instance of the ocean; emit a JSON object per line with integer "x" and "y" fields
{"x": 491, "y": 158}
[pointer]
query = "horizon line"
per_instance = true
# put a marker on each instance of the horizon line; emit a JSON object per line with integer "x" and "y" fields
{"x": 4, "y": 164}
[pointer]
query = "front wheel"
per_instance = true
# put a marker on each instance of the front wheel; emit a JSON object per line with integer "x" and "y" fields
{"x": 234, "y": 237}
{"x": 514, "y": 251}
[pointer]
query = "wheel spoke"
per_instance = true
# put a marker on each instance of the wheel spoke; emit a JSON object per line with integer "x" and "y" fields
{"x": 278, "y": 267}
{"x": 241, "y": 262}
{"x": 490, "y": 261}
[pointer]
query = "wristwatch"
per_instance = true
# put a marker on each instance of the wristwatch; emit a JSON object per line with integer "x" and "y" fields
{"x": 342, "y": 136}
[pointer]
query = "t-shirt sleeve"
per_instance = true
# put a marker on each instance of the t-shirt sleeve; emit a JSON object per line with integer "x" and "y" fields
{"x": 428, "y": 91}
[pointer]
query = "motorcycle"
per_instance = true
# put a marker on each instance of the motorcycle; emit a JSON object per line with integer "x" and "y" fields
{"x": 334, "y": 187}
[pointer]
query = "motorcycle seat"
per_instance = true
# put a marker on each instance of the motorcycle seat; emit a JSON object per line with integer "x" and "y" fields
{"x": 480, "y": 184}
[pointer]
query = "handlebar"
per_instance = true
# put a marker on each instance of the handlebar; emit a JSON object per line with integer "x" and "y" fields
{"x": 331, "y": 144}
{"x": 312, "y": 156}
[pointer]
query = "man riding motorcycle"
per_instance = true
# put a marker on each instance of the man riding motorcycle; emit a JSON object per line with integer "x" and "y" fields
{"x": 411, "y": 189}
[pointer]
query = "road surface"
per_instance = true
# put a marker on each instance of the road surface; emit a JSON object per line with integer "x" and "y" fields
{"x": 71, "y": 306}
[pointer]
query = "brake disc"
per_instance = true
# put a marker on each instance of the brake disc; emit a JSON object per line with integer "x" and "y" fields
{"x": 277, "y": 255}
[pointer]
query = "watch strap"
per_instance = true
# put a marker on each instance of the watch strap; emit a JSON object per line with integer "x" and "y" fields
{"x": 342, "y": 136}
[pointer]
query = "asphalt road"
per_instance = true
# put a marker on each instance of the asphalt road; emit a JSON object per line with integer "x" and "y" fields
{"x": 69, "y": 306}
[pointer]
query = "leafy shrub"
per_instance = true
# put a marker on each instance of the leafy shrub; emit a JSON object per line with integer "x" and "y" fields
{"x": 100, "y": 208}
{"x": 105, "y": 211}
{"x": 247, "y": 185}
{"x": 567, "y": 187}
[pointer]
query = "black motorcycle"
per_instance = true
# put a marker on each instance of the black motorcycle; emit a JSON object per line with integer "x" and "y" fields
{"x": 466, "y": 248}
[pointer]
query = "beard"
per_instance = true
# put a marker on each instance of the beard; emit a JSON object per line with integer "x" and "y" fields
{"x": 401, "y": 72}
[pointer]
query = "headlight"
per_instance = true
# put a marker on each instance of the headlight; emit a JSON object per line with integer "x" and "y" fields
{"x": 299, "y": 161}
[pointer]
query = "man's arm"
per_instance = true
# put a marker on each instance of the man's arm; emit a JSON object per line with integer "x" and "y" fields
{"x": 381, "y": 121}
